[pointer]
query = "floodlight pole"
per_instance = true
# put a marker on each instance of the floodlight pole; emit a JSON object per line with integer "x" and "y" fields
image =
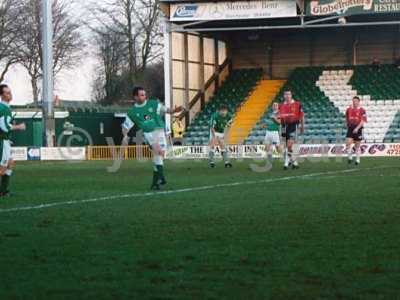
{"x": 167, "y": 70}
{"x": 48, "y": 80}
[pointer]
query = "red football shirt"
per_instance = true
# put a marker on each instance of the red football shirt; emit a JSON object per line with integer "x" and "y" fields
{"x": 354, "y": 116}
{"x": 291, "y": 112}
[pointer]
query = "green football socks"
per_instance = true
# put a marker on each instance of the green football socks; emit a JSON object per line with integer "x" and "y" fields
{"x": 160, "y": 171}
{"x": 211, "y": 155}
{"x": 155, "y": 176}
{"x": 225, "y": 156}
{"x": 5, "y": 182}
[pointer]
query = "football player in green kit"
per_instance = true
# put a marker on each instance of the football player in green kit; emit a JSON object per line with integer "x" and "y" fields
{"x": 148, "y": 115}
{"x": 219, "y": 123}
{"x": 6, "y": 127}
{"x": 272, "y": 136}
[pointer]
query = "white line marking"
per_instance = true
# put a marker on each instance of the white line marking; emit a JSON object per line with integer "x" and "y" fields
{"x": 364, "y": 175}
{"x": 195, "y": 189}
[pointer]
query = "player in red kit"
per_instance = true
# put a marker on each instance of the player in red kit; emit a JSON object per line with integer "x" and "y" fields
{"x": 292, "y": 119}
{"x": 356, "y": 117}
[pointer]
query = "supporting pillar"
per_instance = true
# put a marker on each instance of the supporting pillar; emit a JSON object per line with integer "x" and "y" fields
{"x": 216, "y": 63}
{"x": 186, "y": 71}
{"x": 201, "y": 79}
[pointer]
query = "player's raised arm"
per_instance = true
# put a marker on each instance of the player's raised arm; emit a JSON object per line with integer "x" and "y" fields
{"x": 18, "y": 127}
{"x": 7, "y": 126}
{"x": 163, "y": 110}
{"x": 126, "y": 127}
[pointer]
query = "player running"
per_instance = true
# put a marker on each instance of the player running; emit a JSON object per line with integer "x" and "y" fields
{"x": 292, "y": 120}
{"x": 6, "y": 127}
{"x": 219, "y": 124}
{"x": 356, "y": 117}
{"x": 272, "y": 137}
{"x": 148, "y": 115}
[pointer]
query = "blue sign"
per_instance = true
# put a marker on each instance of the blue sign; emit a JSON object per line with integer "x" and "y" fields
{"x": 186, "y": 11}
{"x": 33, "y": 153}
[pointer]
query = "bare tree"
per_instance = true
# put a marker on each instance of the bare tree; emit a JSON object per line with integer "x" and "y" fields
{"x": 67, "y": 41}
{"x": 9, "y": 32}
{"x": 137, "y": 22}
{"x": 153, "y": 80}
{"x": 108, "y": 84}
{"x": 147, "y": 12}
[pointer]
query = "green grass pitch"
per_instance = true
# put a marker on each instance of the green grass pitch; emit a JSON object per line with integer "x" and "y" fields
{"x": 238, "y": 235}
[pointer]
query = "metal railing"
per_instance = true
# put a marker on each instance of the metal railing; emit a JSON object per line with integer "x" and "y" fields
{"x": 118, "y": 152}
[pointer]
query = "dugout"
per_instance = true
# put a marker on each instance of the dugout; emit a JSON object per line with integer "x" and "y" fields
{"x": 206, "y": 40}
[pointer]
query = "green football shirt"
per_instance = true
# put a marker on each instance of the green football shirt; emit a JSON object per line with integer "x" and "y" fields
{"x": 219, "y": 122}
{"x": 5, "y": 121}
{"x": 271, "y": 123}
{"x": 147, "y": 116}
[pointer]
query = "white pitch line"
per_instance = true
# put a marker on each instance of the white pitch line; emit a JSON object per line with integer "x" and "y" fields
{"x": 179, "y": 191}
{"x": 337, "y": 176}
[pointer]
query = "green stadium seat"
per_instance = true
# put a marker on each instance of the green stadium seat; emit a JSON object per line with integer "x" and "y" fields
{"x": 322, "y": 117}
{"x": 232, "y": 93}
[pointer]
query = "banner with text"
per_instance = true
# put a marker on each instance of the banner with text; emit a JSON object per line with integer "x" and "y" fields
{"x": 201, "y": 152}
{"x": 258, "y": 151}
{"x": 224, "y": 10}
{"x": 349, "y": 7}
{"x": 19, "y": 153}
{"x": 63, "y": 153}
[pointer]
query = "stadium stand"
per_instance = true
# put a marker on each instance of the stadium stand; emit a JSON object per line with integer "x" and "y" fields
{"x": 383, "y": 85}
{"x": 324, "y": 121}
{"x": 393, "y": 134}
{"x": 327, "y": 92}
{"x": 232, "y": 93}
{"x": 374, "y": 85}
{"x": 252, "y": 109}
{"x": 380, "y": 82}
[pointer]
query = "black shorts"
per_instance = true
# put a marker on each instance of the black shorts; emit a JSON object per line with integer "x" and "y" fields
{"x": 289, "y": 131}
{"x": 358, "y": 136}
